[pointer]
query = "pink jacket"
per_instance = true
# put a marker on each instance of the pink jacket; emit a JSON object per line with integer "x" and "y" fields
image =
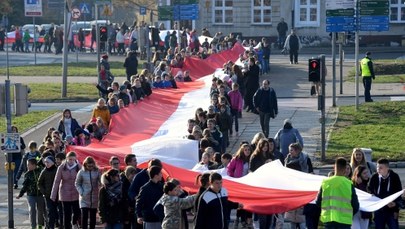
{"x": 236, "y": 100}
{"x": 235, "y": 168}
{"x": 64, "y": 184}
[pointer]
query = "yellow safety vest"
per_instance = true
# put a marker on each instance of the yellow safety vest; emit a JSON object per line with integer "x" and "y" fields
{"x": 336, "y": 200}
{"x": 365, "y": 70}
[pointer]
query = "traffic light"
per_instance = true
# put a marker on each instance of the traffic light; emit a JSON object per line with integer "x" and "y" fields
{"x": 103, "y": 33}
{"x": 314, "y": 70}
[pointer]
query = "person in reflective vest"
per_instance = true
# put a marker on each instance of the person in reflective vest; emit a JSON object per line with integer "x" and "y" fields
{"x": 367, "y": 72}
{"x": 337, "y": 199}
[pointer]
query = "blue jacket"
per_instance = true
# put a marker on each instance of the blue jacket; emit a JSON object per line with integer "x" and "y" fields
{"x": 148, "y": 196}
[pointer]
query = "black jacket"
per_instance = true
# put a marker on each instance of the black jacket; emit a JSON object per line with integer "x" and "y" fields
{"x": 260, "y": 101}
{"x": 108, "y": 213}
{"x": 148, "y": 196}
{"x": 46, "y": 179}
{"x": 252, "y": 78}
{"x": 385, "y": 187}
{"x": 131, "y": 65}
{"x": 213, "y": 210}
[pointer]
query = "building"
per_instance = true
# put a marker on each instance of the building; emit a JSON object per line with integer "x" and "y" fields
{"x": 259, "y": 18}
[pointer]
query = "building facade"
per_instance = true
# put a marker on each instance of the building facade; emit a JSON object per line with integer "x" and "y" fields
{"x": 259, "y": 18}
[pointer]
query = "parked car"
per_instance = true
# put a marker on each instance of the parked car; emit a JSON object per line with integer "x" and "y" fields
{"x": 30, "y": 28}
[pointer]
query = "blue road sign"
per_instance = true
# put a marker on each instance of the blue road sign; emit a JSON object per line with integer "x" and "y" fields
{"x": 32, "y": 2}
{"x": 374, "y": 27}
{"x": 185, "y": 12}
{"x": 142, "y": 10}
{"x": 85, "y": 8}
{"x": 339, "y": 20}
{"x": 340, "y": 28}
{"x": 374, "y": 19}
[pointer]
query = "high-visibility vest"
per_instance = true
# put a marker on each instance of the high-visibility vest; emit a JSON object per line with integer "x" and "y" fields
{"x": 336, "y": 200}
{"x": 365, "y": 70}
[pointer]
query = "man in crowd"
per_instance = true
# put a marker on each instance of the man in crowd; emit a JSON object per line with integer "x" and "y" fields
{"x": 282, "y": 29}
{"x": 338, "y": 199}
{"x": 367, "y": 72}
{"x": 265, "y": 102}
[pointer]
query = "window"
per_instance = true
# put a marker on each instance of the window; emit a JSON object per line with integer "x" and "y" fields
{"x": 397, "y": 11}
{"x": 307, "y": 13}
{"x": 223, "y": 12}
{"x": 261, "y": 11}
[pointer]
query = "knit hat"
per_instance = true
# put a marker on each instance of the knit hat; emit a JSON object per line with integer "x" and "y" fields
{"x": 287, "y": 121}
{"x": 50, "y": 159}
{"x": 123, "y": 87}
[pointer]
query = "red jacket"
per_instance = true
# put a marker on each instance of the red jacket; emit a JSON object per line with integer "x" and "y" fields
{"x": 235, "y": 168}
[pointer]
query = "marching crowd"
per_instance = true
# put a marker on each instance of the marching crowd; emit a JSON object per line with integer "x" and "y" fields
{"x": 63, "y": 192}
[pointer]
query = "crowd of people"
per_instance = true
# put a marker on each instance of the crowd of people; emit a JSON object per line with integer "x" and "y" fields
{"x": 61, "y": 191}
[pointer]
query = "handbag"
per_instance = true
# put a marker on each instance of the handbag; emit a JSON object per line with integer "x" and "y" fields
{"x": 313, "y": 92}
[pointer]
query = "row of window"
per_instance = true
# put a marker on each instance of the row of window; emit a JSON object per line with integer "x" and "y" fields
{"x": 307, "y": 12}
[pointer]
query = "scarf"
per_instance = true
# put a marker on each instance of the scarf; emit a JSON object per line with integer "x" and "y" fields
{"x": 301, "y": 161}
{"x": 69, "y": 167}
{"x": 114, "y": 192}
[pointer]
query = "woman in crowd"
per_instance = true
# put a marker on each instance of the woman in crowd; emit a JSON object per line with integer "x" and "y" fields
{"x": 239, "y": 167}
{"x": 300, "y": 161}
{"x": 360, "y": 180}
{"x": 111, "y": 204}
{"x": 101, "y": 110}
{"x": 87, "y": 183}
{"x": 64, "y": 189}
{"x": 358, "y": 158}
{"x": 67, "y": 124}
{"x": 258, "y": 136}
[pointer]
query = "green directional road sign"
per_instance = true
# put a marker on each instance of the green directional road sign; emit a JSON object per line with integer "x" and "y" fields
{"x": 375, "y": 11}
{"x": 165, "y": 13}
{"x": 374, "y": 4}
{"x": 340, "y": 12}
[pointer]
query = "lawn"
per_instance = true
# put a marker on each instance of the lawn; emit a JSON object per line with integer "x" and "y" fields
{"x": 386, "y": 71}
{"x": 27, "y": 121}
{"x": 46, "y": 92}
{"x": 74, "y": 69}
{"x": 378, "y": 125}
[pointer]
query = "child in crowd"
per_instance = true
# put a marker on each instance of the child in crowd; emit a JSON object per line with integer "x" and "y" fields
{"x": 215, "y": 134}
{"x": 236, "y": 105}
{"x": 36, "y": 203}
{"x": 31, "y": 154}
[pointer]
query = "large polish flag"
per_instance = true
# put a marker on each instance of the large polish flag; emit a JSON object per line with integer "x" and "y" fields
{"x": 156, "y": 128}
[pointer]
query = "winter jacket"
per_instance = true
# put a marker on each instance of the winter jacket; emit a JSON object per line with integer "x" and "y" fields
{"x": 87, "y": 184}
{"x": 213, "y": 210}
{"x": 235, "y": 168}
{"x": 45, "y": 181}
{"x": 172, "y": 209}
{"x": 224, "y": 121}
{"x": 23, "y": 166}
{"x": 102, "y": 112}
{"x": 30, "y": 184}
{"x": 384, "y": 187}
{"x": 140, "y": 179}
{"x": 284, "y": 137}
{"x": 73, "y": 126}
{"x": 64, "y": 183}
{"x": 257, "y": 160}
{"x": 114, "y": 213}
{"x": 148, "y": 196}
{"x": 260, "y": 100}
{"x": 236, "y": 100}
{"x": 131, "y": 65}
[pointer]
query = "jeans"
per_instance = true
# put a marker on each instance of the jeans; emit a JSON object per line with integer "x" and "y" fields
{"x": 265, "y": 221}
{"x": 51, "y": 208}
{"x": 36, "y": 207}
{"x": 334, "y": 225}
{"x": 70, "y": 207}
{"x": 294, "y": 56}
{"x": 152, "y": 225}
{"x": 17, "y": 157}
{"x": 113, "y": 226}
{"x": 384, "y": 217}
{"x": 235, "y": 117}
{"x": 281, "y": 40}
{"x": 367, "y": 87}
{"x": 266, "y": 66}
{"x": 265, "y": 123}
{"x": 85, "y": 217}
